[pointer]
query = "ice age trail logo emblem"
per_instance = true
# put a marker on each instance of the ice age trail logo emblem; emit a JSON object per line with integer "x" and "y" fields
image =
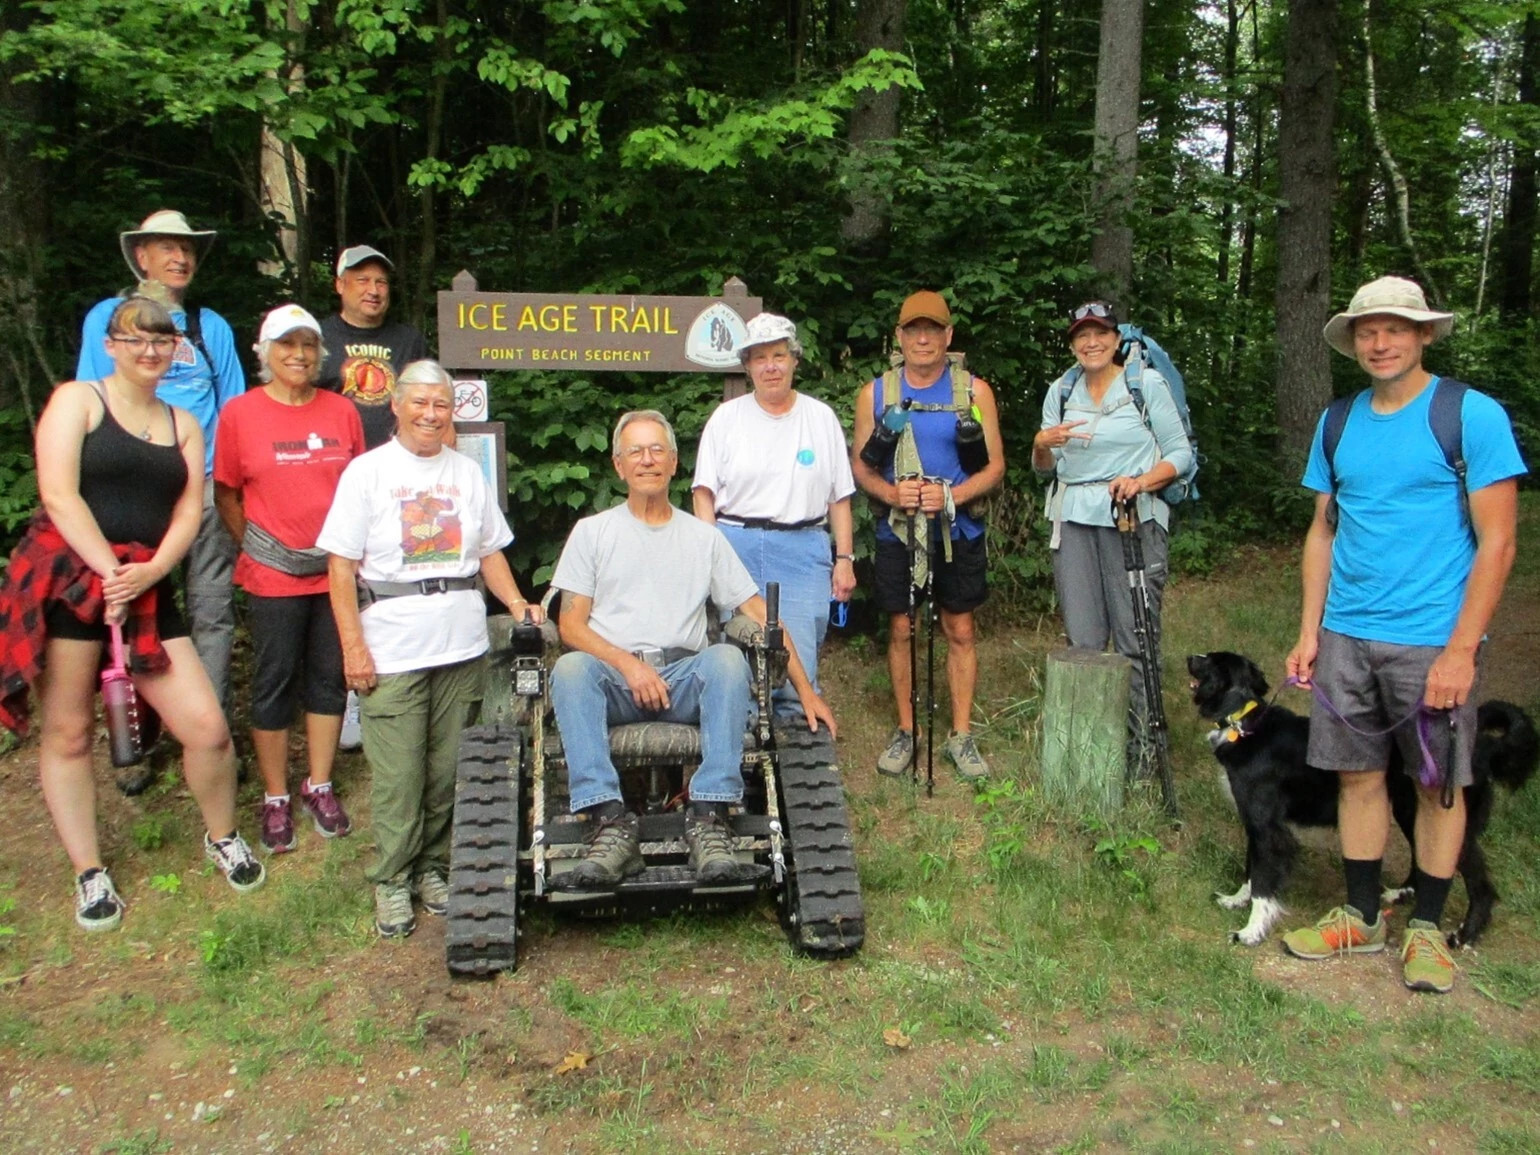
{"x": 713, "y": 336}
{"x": 805, "y": 457}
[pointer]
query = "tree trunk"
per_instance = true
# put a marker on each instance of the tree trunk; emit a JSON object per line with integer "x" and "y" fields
{"x": 873, "y": 129}
{"x": 282, "y": 179}
{"x": 1116, "y": 160}
{"x": 1044, "y": 85}
{"x": 1306, "y": 164}
{"x": 427, "y": 253}
{"x": 1227, "y": 209}
{"x": 1518, "y": 244}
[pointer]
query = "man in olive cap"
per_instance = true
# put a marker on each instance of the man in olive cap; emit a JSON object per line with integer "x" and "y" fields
{"x": 929, "y": 496}
{"x": 164, "y": 253}
{"x": 1416, "y": 515}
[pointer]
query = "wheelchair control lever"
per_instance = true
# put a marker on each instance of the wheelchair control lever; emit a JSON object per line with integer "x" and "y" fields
{"x": 774, "y": 638}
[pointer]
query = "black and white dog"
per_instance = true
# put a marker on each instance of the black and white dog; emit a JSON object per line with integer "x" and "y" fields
{"x": 1262, "y": 749}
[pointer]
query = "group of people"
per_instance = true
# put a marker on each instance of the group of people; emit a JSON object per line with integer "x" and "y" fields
{"x": 159, "y": 454}
{"x": 331, "y": 495}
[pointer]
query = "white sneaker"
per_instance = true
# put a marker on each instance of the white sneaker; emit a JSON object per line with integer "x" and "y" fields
{"x": 352, "y": 729}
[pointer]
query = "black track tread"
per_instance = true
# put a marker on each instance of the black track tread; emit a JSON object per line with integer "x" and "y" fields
{"x": 824, "y": 889}
{"x": 481, "y": 927}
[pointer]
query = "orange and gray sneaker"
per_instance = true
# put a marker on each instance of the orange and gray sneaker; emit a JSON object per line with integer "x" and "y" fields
{"x": 1342, "y": 931}
{"x": 1426, "y": 964}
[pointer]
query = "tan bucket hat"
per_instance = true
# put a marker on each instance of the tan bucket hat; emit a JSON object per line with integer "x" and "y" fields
{"x": 1393, "y": 295}
{"x": 164, "y": 223}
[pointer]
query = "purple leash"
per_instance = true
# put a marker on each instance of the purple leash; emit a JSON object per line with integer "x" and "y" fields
{"x": 1429, "y": 773}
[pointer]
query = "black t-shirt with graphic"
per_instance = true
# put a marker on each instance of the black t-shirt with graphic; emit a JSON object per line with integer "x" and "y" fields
{"x": 362, "y": 364}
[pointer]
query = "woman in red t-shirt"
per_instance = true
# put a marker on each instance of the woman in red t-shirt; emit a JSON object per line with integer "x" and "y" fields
{"x": 277, "y": 456}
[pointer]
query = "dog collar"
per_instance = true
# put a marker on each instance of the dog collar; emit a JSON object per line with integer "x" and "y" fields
{"x": 1231, "y": 729}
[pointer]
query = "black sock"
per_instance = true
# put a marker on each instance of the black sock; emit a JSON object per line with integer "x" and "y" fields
{"x": 1363, "y": 886}
{"x": 1431, "y": 895}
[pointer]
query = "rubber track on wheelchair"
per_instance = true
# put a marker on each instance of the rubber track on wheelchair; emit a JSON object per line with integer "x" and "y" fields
{"x": 824, "y": 890}
{"x": 481, "y": 928}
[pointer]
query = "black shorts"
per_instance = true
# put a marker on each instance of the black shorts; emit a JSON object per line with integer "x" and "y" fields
{"x": 296, "y": 659}
{"x": 960, "y": 585}
{"x": 60, "y": 621}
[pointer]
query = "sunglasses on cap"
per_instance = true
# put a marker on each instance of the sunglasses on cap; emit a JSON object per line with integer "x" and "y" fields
{"x": 1093, "y": 309}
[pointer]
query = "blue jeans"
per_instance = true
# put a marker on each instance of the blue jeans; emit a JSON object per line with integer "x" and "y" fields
{"x": 710, "y": 688}
{"x": 800, "y": 561}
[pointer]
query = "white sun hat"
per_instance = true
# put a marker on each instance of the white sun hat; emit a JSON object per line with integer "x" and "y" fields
{"x": 1395, "y": 296}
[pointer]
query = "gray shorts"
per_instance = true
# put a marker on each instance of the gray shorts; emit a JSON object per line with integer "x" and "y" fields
{"x": 1373, "y": 684}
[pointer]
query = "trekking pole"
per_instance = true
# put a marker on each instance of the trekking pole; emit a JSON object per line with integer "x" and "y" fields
{"x": 1126, "y": 516}
{"x": 930, "y": 676}
{"x": 914, "y": 665}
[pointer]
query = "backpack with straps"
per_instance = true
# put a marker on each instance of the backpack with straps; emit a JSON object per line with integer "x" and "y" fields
{"x": 962, "y": 389}
{"x": 1136, "y": 349}
{"x": 1445, "y": 422}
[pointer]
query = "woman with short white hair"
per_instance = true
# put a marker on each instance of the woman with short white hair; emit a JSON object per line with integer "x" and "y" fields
{"x": 278, "y": 454}
{"x": 413, "y": 527}
{"x": 773, "y": 474}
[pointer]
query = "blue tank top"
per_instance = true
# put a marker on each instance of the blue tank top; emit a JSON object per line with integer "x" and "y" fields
{"x": 935, "y": 436}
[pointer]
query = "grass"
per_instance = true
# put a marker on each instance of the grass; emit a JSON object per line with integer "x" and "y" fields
{"x": 1032, "y": 978}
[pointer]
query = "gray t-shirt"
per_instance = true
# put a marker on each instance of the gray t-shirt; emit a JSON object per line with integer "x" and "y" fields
{"x": 650, "y": 583}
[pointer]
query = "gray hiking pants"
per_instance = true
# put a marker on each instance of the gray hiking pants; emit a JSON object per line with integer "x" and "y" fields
{"x": 1095, "y": 599}
{"x": 211, "y": 596}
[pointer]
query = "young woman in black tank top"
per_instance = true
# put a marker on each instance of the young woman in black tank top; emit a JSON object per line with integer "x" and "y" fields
{"x": 117, "y": 466}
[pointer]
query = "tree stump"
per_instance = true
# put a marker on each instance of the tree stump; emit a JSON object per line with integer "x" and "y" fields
{"x": 1085, "y": 731}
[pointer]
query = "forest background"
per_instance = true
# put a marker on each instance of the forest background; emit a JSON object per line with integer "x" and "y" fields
{"x": 1227, "y": 171}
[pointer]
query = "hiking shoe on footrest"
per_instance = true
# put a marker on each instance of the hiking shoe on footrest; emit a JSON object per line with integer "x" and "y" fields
{"x": 897, "y": 760}
{"x": 236, "y": 861}
{"x": 331, "y": 820}
{"x": 964, "y": 753}
{"x": 709, "y": 835}
{"x": 432, "y": 891}
{"x": 1341, "y": 931}
{"x": 97, "y": 903}
{"x": 1426, "y": 964}
{"x": 393, "y": 916}
{"x": 614, "y": 854}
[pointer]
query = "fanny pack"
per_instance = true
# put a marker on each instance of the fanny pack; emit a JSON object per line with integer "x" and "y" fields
{"x": 261, "y": 546}
{"x": 370, "y": 592}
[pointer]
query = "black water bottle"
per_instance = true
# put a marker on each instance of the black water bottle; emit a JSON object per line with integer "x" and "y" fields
{"x": 972, "y": 452}
{"x": 883, "y": 443}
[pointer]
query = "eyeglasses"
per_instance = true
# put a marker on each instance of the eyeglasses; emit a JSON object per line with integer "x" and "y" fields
{"x": 637, "y": 452}
{"x": 139, "y": 344}
{"x": 1094, "y": 309}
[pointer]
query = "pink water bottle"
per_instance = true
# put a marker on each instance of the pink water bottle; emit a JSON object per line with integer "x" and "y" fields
{"x": 121, "y": 705}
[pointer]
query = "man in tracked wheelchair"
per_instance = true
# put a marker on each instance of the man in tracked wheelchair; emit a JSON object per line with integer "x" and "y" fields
{"x": 635, "y": 582}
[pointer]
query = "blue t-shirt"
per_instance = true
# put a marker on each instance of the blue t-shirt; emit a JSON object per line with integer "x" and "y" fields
{"x": 1403, "y": 551}
{"x": 935, "y": 436}
{"x": 188, "y": 384}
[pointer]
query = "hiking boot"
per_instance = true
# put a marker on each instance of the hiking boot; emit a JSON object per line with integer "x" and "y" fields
{"x": 432, "y": 891}
{"x": 331, "y": 821}
{"x": 965, "y": 756}
{"x": 896, "y": 760}
{"x": 97, "y": 903}
{"x": 234, "y": 858}
{"x": 278, "y": 835}
{"x": 1426, "y": 964}
{"x": 393, "y": 916}
{"x": 614, "y": 850}
{"x": 710, "y": 838}
{"x": 1341, "y": 931}
{"x": 352, "y": 736}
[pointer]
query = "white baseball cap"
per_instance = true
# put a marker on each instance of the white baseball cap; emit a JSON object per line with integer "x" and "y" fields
{"x": 358, "y": 254}
{"x": 285, "y": 319}
{"x": 766, "y": 329}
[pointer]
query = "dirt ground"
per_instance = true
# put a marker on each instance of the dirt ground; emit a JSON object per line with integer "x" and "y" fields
{"x": 456, "y": 1065}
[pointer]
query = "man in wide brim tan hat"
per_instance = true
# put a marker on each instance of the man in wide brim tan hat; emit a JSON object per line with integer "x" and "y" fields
{"x": 1416, "y": 514}
{"x": 163, "y": 223}
{"x": 1391, "y": 297}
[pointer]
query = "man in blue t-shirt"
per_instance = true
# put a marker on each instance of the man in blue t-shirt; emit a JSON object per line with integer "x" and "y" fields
{"x": 1401, "y": 575}
{"x": 164, "y": 253}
